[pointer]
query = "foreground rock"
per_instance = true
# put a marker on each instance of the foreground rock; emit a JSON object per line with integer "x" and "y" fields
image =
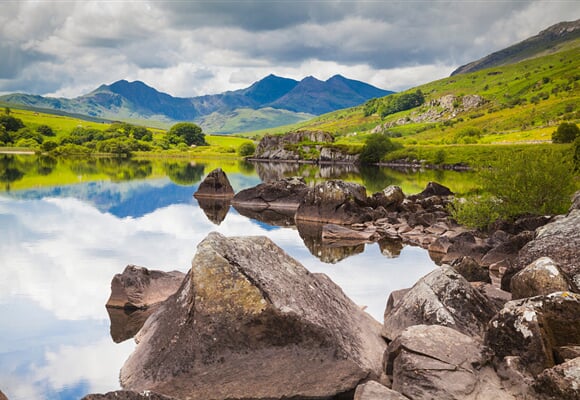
{"x": 337, "y": 202}
{"x": 559, "y": 240}
{"x": 443, "y": 297}
{"x": 537, "y": 330}
{"x": 127, "y": 395}
{"x": 138, "y": 288}
{"x": 251, "y": 322}
{"x": 437, "y": 362}
{"x": 215, "y": 185}
{"x": 561, "y": 382}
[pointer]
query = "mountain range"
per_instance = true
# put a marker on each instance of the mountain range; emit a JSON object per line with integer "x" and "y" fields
{"x": 271, "y": 101}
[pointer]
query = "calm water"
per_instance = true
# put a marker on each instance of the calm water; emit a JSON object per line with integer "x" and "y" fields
{"x": 67, "y": 226}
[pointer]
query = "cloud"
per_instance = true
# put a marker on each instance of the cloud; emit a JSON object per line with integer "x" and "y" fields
{"x": 193, "y": 48}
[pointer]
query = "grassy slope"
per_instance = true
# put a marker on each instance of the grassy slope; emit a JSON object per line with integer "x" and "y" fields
{"x": 554, "y": 76}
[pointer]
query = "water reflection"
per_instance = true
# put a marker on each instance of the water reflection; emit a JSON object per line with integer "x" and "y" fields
{"x": 126, "y": 323}
{"x": 69, "y": 225}
{"x": 215, "y": 209}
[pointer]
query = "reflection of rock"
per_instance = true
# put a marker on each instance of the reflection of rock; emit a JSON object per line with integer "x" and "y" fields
{"x": 274, "y": 217}
{"x": 336, "y": 202}
{"x": 311, "y": 234}
{"x": 127, "y": 395}
{"x": 215, "y": 184}
{"x": 284, "y": 194}
{"x": 338, "y": 234}
{"x": 270, "y": 172}
{"x": 138, "y": 287}
{"x": 214, "y": 208}
{"x": 126, "y": 323}
{"x": 391, "y": 248}
{"x": 251, "y": 322}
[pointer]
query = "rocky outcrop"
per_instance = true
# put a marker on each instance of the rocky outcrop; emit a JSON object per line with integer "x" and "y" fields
{"x": 215, "y": 185}
{"x": 437, "y": 362}
{"x": 283, "y": 194}
{"x": 337, "y": 202}
{"x": 289, "y": 147}
{"x": 535, "y": 330}
{"x": 127, "y": 395}
{"x": 443, "y": 297}
{"x": 559, "y": 240}
{"x": 251, "y": 322}
{"x": 375, "y": 391}
{"x": 138, "y": 288}
{"x": 125, "y": 323}
{"x": 541, "y": 277}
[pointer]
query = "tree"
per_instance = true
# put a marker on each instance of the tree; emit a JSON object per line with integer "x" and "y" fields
{"x": 567, "y": 132}
{"x": 247, "y": 149}
{"x": 45, "y": 130}
{"x": 376, "y": 147}
{"x": 12, "y": 124}
{"x": 187, "y": 132}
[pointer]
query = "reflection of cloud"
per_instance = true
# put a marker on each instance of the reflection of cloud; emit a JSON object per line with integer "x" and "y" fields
{"x": 63, "y": 253}
{"x": 89, "y": 368}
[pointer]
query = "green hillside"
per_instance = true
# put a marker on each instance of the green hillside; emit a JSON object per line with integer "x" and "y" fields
{"x": 518, "y": 103}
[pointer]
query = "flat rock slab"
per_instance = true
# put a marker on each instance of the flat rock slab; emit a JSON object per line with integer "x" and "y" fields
{"x": 285, "y": 193}
{"x": 249, "y": 321}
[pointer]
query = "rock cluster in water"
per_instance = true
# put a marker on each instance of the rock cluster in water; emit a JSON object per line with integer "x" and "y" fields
{"x": 249, "y": 322}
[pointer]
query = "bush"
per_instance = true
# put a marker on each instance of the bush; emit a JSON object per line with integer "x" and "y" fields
{"x": 376, "y": 147}
{"x": 467, "y": 135}
{"x": 567, "y": 132}
{"x": 576, "y": 154}
{"x": 10, "y": 123}
{"x": 246, "y": 149}
{"x": 523, "y": 183}
{"x": 188, "y": 133}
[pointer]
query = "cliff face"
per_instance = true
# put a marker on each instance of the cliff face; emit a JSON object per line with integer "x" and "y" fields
{"x": 312, "y": 146}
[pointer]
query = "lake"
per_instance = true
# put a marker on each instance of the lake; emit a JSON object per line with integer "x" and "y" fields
{"x": 67, "y": 226}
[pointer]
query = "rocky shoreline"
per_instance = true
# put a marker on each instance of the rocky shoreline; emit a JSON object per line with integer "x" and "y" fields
{"x": 497, "y": 320}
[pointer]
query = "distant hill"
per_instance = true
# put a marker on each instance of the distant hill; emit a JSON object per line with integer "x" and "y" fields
{"x": 547, "y": 41}
{"x": 285, "y": 100}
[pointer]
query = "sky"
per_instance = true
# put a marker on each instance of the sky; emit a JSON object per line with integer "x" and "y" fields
{"x": 185, "y": 48}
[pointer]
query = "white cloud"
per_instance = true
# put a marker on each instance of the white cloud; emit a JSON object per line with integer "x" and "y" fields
{"x": 68, "y": 48}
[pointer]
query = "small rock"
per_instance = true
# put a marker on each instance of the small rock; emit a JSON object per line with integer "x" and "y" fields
{"x": 138, "y": 288}
{"x": 541, "y": 277}
{"x": 471, "y": 270}
{"x": 375, "y": 391}
{"x": 561, "y": 382}
{"x": 215, "y": 184}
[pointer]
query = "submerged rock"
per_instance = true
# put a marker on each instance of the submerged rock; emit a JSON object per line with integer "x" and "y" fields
{"x": 251, "y": 322}
{"x": 443, "y": 297}
{"x": 138, "y": 287}
{"x": 215, "y": 184}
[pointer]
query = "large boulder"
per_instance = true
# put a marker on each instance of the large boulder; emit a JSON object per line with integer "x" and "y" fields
{"x": 249, "y": 321}
{"x": 283, "y": 194}
{"x": 561, "y": 382}
{"x": 437, "y": 362}
{"x": 559, "y": 240}
{"x": 215, "y": 185}
{"x": 442, "y": 297}
{"x": 336, "y": 202}
{"x": 536, "y": 329}
{"x": 138, "y": 287}
{"x": 542, "y": 276}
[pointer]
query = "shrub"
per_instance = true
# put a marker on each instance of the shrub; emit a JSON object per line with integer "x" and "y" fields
{"x": 376, "y": 147}
{"x": 246, "y": 149}
{"x": 10, "y": 123}
{"x": 566, "y": 132}
{"x": 523, "y": 183}
{"x": 576, "y": 154}
{"x": 188, "y": 133}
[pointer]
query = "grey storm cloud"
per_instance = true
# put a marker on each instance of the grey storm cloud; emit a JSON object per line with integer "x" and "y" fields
{"x": 195, "y": 47}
